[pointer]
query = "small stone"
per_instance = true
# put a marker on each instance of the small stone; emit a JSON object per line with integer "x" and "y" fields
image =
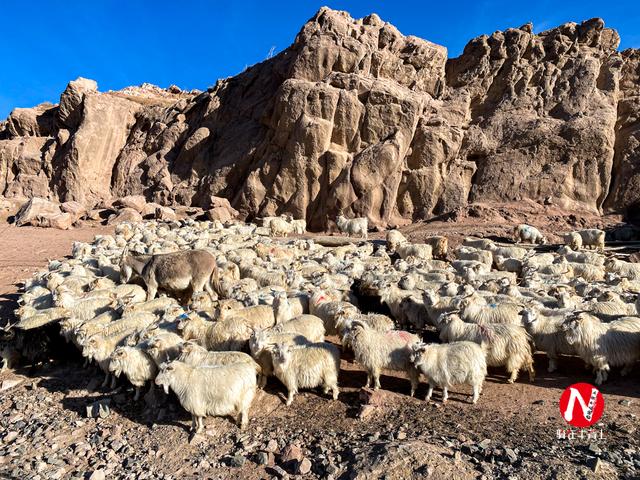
{"x": 304, "y": 466}
{"x": 595, "y": 449}
{"x": 279, "y": 472}
{"x": 484, "y": 444}
{"x": 262, "y": 458}
{"x": 595, "y": 464}
{"x": 511, "y": 455}
{"x": 10, "y": 437}
{"x": 237, "y": 461}
{"x": 7, "y": 384}
{"x": 291, "y": 452}
{"x": 272, "y": 446}
{"x": 401, "y": 435}
{"x": 625, "y": 402}
{"x": 97, "y": 475}
{"x": 331, "y": 469}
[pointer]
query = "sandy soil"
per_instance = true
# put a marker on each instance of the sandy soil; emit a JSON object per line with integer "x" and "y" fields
{"x": 44, "y": 432}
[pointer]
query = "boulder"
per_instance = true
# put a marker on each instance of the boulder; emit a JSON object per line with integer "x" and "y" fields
{"x": 221, "y": 213}
{"x": 36, "y": 209}
{"x": 69, "y": 111}
{"x": 76, "y": 209}
{"x": 137, "y": 202}
{"x": 32, "y": 122}
{"x": 125, "y": 215}
{"x": 61, "y": 221}
{"x": 165, "y": 214}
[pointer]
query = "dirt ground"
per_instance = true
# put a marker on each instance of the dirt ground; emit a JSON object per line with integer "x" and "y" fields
{"x": 512, "y": 432}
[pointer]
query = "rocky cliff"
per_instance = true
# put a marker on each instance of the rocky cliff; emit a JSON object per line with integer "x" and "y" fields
{"x": 355, "y": 117}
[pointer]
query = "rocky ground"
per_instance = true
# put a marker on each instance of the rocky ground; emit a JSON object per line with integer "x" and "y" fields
{"x": 56, "y": 421}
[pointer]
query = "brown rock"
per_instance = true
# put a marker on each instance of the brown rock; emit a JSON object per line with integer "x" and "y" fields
{"x": 61, "y": 221}
{"x": 69, "y": 112}
{"x": 165, "y": 213}
{"x": 220, "y": 213}
{"x": 304, "y": 466}
{"x": 32, "y": 122}
{"x": 125, "y": 215}
{"x": 291, "y": 452}
{"x": 137, "y": 202}
{"x": 358, "y": 118}
{"x": 35, "y": 209}
{"x": 76, "y": 209}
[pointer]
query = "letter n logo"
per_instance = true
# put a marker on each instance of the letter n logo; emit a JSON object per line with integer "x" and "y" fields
{"x": 581, "y": 405}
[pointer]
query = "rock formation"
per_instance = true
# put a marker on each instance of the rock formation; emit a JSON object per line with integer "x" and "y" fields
{"x": 354, "y": 117}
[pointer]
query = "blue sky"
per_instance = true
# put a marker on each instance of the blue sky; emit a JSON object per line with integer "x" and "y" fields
{"x": 46, "y": 43}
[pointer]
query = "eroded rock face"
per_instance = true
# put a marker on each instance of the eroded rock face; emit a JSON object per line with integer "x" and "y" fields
{"x": 356, "y": 118}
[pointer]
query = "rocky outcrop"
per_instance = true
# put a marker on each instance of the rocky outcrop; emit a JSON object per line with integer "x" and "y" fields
{"x": 356, "y": 118}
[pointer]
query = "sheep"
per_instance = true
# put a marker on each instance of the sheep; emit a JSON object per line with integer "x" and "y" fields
{"x": 439, "y": 246}
{"x": 528, "y": 234}
{"x": 258, "y": 316}
{"x": 475, "y": 255}
{"x": 283, "y": 309}
{"x": 508, "y": 252}
{"x": 376, "y": 321}
{"x": 604, "y": 345}
{"x": 157, "y": 306}
{"x": 507, "y": 345}
{"x": 309, "y": 326}
{"x": 593, "y": 238}
{"x": 179, "y": 271}
{"x": 628, "y": 270}
{"x": 573, "y": 240}
{"x": 322, "y": 305}
{"x": 299, "y": 226}
{"x": 307, "y": 366}
{"x": 204, "y": 390}
{"x": 581, "y": 257}
{"x": 587, "y": 271}
{"x": 259, "y": 344}
{"x": 435, "y": 306}
{"x": 34, "y": 318}
{"x": 352, "y": 227}
{"x": 417, "y": 250}
{"x": 508, "y": 264}
{"x": 547, "y": 335}
{"x": 164, "y": 347}
{"x": 136, "y": 364}
{"x": 100, "y": 348}
{"x": 377, "y": 350}
{"x": 450, "y": 364}
{"x": 226, "y": 335}
{"x": 475, "y": 310}
{"x": 479, "y": 243}
{"x": 394, "y": 239}
{"x": 279, "y": 227}
{"x": 193, "y": 354}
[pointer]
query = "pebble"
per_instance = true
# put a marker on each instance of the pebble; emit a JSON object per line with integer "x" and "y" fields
{"x": 595, "y": 449}
{"x": 484, "y": 444}
{"x": 262, "y": 458}
{"x": 304, "y": 466}
{"x": 237, "y": 461}
{"x": 511, "y": 455}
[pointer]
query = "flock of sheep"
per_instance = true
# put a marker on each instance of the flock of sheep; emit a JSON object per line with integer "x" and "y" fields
{"x": 238, "y": 307}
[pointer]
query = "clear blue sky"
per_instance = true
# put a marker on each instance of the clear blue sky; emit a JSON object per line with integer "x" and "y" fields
{"x": 46, "y": 43}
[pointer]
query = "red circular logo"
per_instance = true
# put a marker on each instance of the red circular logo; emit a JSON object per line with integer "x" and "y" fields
{"x": 581, "y": 405}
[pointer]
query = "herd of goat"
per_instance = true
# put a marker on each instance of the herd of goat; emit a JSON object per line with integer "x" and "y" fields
{"x": 238, "y": 306}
